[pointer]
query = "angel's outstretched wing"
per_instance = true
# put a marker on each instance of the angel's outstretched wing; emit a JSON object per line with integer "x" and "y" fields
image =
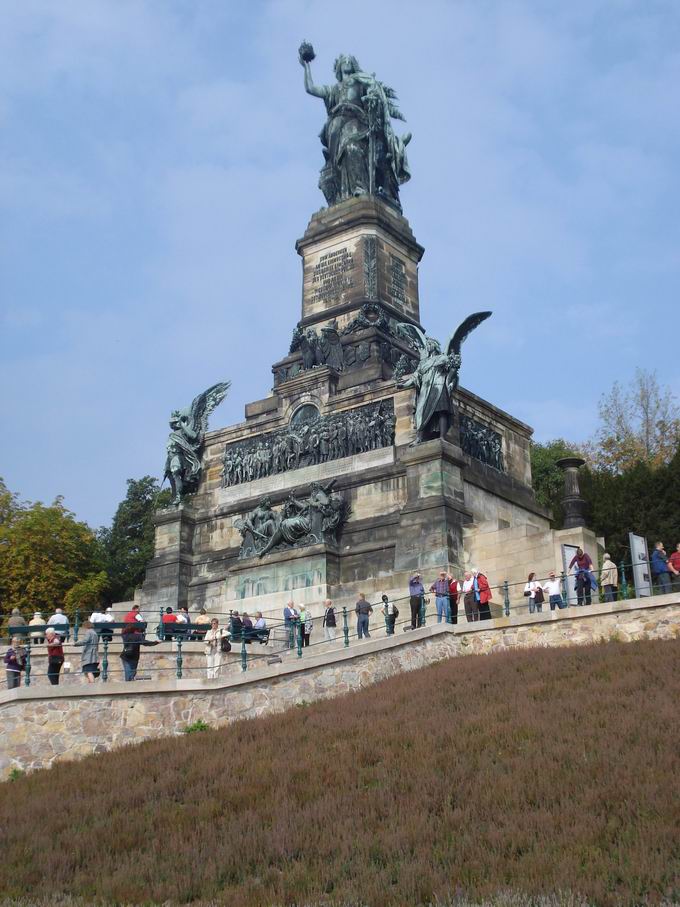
{"x": 206, "y": 402}
{"x": 467, "y": 327}
{"x": 414, "y": 336}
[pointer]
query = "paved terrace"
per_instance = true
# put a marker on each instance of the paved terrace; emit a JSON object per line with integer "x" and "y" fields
{"x": 43, "y": 724}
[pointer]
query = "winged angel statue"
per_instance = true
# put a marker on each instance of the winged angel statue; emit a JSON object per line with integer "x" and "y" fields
{"x": 185, "y": 444}
{"x": 436, "y": 376}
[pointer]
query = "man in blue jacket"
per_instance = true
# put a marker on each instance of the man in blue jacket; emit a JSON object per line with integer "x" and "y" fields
{"x": 660, "y": 571}
{"x": 416, "y": 590}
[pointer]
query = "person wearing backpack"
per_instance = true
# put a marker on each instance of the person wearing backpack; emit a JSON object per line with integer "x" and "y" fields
{"x": 533, "y": 591}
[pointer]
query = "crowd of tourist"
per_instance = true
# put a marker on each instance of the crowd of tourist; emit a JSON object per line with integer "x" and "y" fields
{"x": 474, "y": 590}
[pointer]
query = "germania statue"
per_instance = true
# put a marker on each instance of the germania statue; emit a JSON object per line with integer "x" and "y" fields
{"x": 363, "y": 156}
{"x": 435, "y": 377}
{"x": 185, "y": 444}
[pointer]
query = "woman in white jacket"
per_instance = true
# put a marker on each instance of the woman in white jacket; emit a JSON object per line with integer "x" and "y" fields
{"x": 213, "y": 648}
{"x": 534, "y": 592}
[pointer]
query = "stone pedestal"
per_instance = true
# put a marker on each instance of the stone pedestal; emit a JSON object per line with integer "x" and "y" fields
{"x": 359, "y": 251}
{"x": 304, "y": 575}
{"x": 430, "y": 532}
{"x": 170, "y": 572}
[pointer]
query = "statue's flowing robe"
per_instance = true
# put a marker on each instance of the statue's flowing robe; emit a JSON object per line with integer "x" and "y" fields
{"x": 345, "y": 138}
{"x": 432, "y": 389}
{"x": 184, "y": 455}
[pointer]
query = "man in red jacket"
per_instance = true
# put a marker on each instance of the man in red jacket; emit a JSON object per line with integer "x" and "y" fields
{"x": 674, "y": 564}
{"x": 133, "y": 615}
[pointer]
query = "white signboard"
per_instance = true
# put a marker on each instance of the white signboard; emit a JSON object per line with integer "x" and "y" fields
{"x": 568, "y": 552}
{"x": 639, "y": 557}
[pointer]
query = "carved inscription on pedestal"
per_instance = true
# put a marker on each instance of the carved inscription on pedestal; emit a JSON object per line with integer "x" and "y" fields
{"x": 330, "y": 277}
{"x": 397, "y": 279}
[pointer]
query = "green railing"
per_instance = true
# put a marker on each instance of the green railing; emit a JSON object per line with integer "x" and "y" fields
{"x": 511, "y": 600}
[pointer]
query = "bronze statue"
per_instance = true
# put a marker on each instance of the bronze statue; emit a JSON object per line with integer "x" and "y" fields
{"x": 185, "y": 444}
{"x": 363, "y": 156}
{"x": 436, "y": 377}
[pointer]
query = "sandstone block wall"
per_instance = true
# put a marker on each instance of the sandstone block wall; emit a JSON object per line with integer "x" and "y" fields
{"x": 42, "y": 726}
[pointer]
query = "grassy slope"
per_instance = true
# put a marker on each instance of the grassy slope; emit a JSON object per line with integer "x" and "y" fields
{"x": 532, "y": 771}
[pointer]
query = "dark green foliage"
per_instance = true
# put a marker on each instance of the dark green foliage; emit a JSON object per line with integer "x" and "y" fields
{"x": 129, "y": 543}
{"x": 547, "y": 478}
{"x": 643, "y": 499}
{"x": 532, "y": 772}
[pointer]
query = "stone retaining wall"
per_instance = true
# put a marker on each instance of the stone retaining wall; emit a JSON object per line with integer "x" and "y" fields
{"x": 46, "y": 725}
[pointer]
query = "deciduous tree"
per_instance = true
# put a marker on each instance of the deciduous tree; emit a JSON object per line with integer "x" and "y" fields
{"x": 129, "y": 543}
{"x": 45, "y": 552}
{"x": 639, "y": 422}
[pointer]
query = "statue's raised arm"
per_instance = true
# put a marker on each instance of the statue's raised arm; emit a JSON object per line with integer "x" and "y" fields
{"x": 306, "y": 55}
{"x": 363, "y": 155}
{"x": 185, "y": 443}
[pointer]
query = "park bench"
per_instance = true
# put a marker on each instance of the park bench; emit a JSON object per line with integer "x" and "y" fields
{"x": 38, "y": 630}
{"x": 261, "y": 636}
{"x": 183, "y": 632}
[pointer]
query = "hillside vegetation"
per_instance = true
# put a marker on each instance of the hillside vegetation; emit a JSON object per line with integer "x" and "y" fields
{"x": 531, "y": 772}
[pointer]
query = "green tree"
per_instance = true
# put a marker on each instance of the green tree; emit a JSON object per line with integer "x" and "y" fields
{"x": 129, "y": 543}
{"x": 87, "y": 593}
{"x": 45, "y": 552}
{"x": 547, "y": 478}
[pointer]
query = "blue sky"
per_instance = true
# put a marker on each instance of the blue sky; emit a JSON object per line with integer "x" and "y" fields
{"x": 159, "y": 158}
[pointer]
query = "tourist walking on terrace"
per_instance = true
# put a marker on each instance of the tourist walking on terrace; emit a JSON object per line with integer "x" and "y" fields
{"x": 416, "y": 591}
{"x": 609, "y": 579}
{"x": 469, "y": 600}
{"x": 15, "y": 662}
{"x": 329, "y": 621}
{"x": 440, "y": 587}
{"x": 132, "y": 637}
{"x": 60, "y": 623}
{"x": 661, "y": 570}
{"x": 553, "y": 589}
{"x": 89, "y": 657}
{"x": 213, "y": 649}
{"x": 533, "y": 591}
{"x": 307, "y": 626}
{"x": 363, "y": 611}
{"x": 391, "y": 613}
{"x": 483, "y": 595}
{"x": 55, "y": 656}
